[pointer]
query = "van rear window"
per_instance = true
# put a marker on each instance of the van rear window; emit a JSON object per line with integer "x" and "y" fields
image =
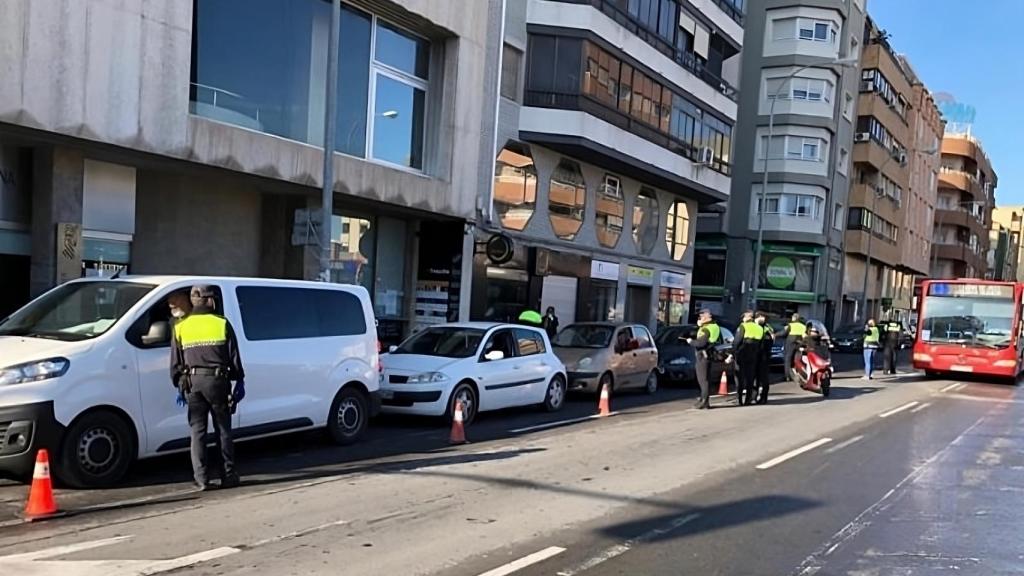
{"x": 279, "y": 313}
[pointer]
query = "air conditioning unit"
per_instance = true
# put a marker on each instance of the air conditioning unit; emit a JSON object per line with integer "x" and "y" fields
{"x": 867, "y": 86}
{"x": 706, "y": 156}
{"x": 861, "y": 137}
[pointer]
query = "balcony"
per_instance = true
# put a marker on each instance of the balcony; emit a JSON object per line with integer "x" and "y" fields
{"x": 959, "y": 217}
{"x": 960, "y": 254}
{"x": 882, "y": 250}
{"x": 961, "y": 180}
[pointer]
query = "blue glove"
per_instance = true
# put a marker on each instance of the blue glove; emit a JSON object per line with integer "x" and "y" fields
{"x": 239, "y": 392}
{"x": 180, "y": 400}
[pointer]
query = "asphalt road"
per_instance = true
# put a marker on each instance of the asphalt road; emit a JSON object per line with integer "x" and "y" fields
{"x": 894, "y": 476}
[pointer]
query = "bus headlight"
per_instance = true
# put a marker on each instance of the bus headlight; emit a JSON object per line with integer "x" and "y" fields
{"x": 922, "y": 357}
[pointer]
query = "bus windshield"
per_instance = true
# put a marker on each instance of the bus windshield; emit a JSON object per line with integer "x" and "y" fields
{"x": 971, "y": 321}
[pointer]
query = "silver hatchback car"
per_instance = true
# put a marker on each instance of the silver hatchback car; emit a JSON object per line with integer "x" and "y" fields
{"x": 618, "y": 354}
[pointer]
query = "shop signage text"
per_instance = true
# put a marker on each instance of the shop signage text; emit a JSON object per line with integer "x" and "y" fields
{"x": 673, "y": 280}
{"x": 642, "y": 276}
{"x": 600, "y": 270}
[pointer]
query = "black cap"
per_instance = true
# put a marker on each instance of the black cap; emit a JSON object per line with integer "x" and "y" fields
{"x": 203, "y": 291}
{"x": 705, "y": 312}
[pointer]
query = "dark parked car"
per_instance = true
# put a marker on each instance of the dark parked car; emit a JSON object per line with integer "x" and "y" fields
{"x": 849, "y": 338}
{"x": 676, "y": 358}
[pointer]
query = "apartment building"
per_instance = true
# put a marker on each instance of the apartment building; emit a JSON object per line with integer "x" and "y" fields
{"x": 963, "y": 217}
{"x": 875, "y": 222}
{"x": 1004, "y": 259}
{"x": 793, "y": 80}
{"x": 615, "y": 124}
{"x": 187, "y": 137}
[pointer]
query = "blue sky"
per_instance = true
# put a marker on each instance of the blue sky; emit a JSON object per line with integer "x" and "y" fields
{"x": 973, "y": 50}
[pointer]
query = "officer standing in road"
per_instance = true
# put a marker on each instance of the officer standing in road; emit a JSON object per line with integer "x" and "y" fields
{"x": 747, "y": 349}
{"x": 551, "y": 322}
{"x": 708, "y": 336}
{"x": 204, "y": 362}
{"x": 871, "y": 337}
{"x": 794, "y": 332}
{"x": 764, "y": 362}
{"x": 893, "y": 334}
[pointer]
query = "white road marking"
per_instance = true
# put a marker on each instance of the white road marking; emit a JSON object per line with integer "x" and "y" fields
{"x": 37, "y": 563}
{"x": 813, "y": 563}
{"x": 793, "y": 454}
{"x": 525, "y": 561}
{"x": 844, "y": 444}
{"x": 954, "y": 386}
{"x": 295, "y": 534}
{"x": 620, "y": 549}
{"x": 558, "y": 423}
{"x": 897, "y": 410}
{"x": 921, "y": 407}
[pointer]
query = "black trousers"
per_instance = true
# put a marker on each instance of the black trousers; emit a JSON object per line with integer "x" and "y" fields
{"x": 889, "y": 352}
{"x": 703, "y": 367}
{"x": 209, "y": 396}
{"x": 764, "y": 380}
{"x": 746, "y": 368}
{"x": 789, "y": 351}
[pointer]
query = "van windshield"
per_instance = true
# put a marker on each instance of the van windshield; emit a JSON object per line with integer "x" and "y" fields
{"x": 75, "y": 311}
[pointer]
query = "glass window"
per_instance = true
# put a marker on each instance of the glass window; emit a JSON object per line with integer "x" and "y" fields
{"x": 402, "y": 51}
{"x": 643, "y": 337}
{"x": 530, "y": 342}
{"x": 672, "y": 306}
{"x": 501, "y": 341}
{"x": 353, "y": 81}
{"x": 566, "y": 199}
{"x": 446, "y": 341}
{"x": 398, "y": 122}
{"x": 610, "y": 211}
{"x": 310, "y": 313}
{"x": 787, "y": 272}
{"x": 389, "y": 285}
{"x": 515, "y": 186}
{"x": 584, "y": 336}
{"x": 353, "y": 245}
{"x": 511, "y": 62}
{"x": 265, "y": 70}
{"x": 709, "y": 267}
{"x": 645, "y": 220}
{"x": 75, "y": 311}
{"x": 677, "y": 231}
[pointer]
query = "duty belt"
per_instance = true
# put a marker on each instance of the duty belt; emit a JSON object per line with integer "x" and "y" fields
{"x": 206, "y": 371}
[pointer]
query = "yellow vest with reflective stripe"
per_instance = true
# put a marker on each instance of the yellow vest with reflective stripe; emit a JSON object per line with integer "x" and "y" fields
{"x": 752, "y": 331}
{"x": 797, "y": 329}
{"x": 201, "y": 330}
{"x": 714, "y": 332}
{"x": 872, "y": 336}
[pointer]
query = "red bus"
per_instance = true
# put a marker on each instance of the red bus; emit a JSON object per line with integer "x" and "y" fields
{"x": 969, "y": 326}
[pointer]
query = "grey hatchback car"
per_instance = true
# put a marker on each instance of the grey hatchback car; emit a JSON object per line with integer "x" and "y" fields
{"x": 598, "y": 353}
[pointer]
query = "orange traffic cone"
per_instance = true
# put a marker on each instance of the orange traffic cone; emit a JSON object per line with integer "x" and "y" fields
{"x": 603, "y": 407}
{"x": 458, "y": 435}
{"x": 723, "y": 385}
{"x": 41, "y": 504}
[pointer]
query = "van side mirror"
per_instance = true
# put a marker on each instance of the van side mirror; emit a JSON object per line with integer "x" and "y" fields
{"x": 494, "y": 356}
{"x": 159, "y": 333}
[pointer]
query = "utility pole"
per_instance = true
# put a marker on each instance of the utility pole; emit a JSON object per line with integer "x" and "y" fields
{"x": 330, "y": 127}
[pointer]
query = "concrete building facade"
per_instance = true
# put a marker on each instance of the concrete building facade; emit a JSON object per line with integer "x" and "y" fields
{"x": 1005, "y": 244}
{"x": 788, "y": 68}
{"x": 615, "y": 124}
{"x": 963, "y": 217}
{"x": 187, "y": 137}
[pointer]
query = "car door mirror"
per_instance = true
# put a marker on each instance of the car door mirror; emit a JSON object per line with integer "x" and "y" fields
{"x": 392, "y": 349}
{"x": 159, "y": 333}
{"x": 494, "y": 356}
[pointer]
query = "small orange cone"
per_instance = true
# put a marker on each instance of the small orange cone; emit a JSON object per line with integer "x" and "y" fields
{"x": 41, "y": 503}
{"x": 723, "y": 385}
{"x": 603, "y": 407}
{"x": 458, "y": 435}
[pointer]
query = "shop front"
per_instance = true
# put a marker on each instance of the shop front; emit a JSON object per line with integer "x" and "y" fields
{"x": 673, "y": 299}
{"x": 786, "y": 280}
{"x": 15, "y": 222}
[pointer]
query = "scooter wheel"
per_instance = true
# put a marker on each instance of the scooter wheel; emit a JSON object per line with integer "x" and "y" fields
{"x": 826, "y": 385}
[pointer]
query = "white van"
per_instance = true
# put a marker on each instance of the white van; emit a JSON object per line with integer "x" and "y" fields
{"x": 85, "y": 370}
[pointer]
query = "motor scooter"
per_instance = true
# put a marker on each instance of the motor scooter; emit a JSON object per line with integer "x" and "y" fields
{"x": 820, "y": 380}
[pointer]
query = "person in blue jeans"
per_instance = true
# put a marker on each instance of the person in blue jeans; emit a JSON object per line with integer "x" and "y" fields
{"x": 871, "y": 340}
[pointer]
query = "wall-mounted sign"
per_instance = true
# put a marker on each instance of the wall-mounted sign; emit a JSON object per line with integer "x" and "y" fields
{"x": 641, "y": 276}
{"x": 69, "y": 251}
{"x": 673, "y": 280}
{"x": 967, "y": 290}
{"x": 600, "y": 270}
{"x": 781, "y": 273}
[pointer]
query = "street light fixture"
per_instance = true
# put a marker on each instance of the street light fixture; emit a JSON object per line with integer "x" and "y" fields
{"x": 850, "y": 61}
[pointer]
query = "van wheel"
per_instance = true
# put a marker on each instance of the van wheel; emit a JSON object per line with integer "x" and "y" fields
{"x": 347, "y": 419}
{"x": 96, "y": 451}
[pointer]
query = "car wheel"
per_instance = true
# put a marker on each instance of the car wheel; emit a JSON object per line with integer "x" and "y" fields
{"x": 652, "y": 382}
{"x": 554, "y": 399}
{"x": 348, "y": 417}
{"x": 96, "y": 451}
{"x": 470, "y": 403}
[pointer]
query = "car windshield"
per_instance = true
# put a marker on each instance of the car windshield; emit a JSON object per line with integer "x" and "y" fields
{"x": 584, "y": 336}
{"x": 75, "y": 311}
{"x": 985, "y": 322}
{"x": 672, "y": 335}
{"x": 446, "y": 341}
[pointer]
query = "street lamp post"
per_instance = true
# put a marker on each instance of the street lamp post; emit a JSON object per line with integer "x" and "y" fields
{"x": 755, "y": 276}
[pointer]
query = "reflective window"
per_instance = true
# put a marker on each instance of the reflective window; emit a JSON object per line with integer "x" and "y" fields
{"x": 566, "y": 199}
{"x": 398, "y": 122}
{"x": 677, "y": 231}
{"x": 515, "y": 186}
{"x": 530, "y": 342}
{"x": 310, "y": 313}
{"x": 645, "y": 220}
{"x": 353, "y": 241}
{"x": 353, "y": 80}
{"x": 402, "y": 51}
{"x": 610, "y": 211}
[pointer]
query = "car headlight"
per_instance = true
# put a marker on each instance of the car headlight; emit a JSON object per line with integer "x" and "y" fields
{"x": 34, "y": 371}
{"x": 584, "y": 362}
{"x": 427, "y": 378}
{"x": 680, "y": 361}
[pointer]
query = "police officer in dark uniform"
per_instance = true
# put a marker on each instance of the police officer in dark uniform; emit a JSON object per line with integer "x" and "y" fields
{"x": 204, "y": 362}
{"x": 794, "y": 332}
{"x": 747, "y": 349}
{"x": 764, "y": 362}
{"x": 893, "y": 332}
{"x": 708, "y": 336}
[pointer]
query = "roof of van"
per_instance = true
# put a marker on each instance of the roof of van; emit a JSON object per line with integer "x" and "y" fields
{"x": 163, "y": 280}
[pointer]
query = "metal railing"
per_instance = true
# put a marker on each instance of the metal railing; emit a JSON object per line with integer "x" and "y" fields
{"x": 222, "y": 99}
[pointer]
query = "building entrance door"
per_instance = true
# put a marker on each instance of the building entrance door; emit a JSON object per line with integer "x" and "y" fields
{"x": 638, "y": 304}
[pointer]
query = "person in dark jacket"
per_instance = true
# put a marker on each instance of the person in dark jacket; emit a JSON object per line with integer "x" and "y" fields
{"x": 764, "y": 362}
{"x": 793, "y": 333}
{"x": 550, "y": 322}
{"x": 708, "y": 336}
{"x": 747, "y": 350}
{"x": 204, "y": 362}
{"x": 893, "y": 333}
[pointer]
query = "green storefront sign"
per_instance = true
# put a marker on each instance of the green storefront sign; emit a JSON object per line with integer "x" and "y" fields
{"x": 781, "y": 272}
